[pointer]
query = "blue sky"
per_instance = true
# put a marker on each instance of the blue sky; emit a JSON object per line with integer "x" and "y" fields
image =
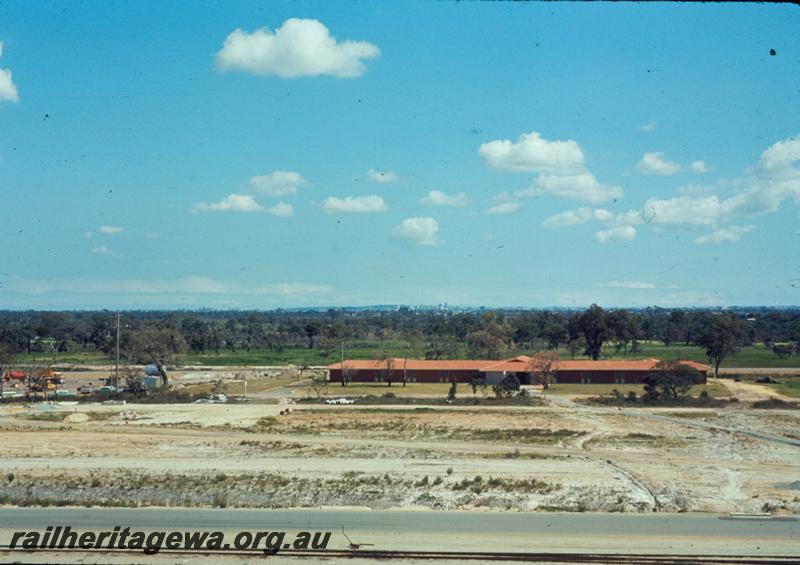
{"x": 186, "y": 155}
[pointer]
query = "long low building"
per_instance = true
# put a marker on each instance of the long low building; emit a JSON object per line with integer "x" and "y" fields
{"x": 398, "y": 369}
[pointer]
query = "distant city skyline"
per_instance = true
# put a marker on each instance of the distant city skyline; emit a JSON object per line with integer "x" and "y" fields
{"x": 309, "y": 154}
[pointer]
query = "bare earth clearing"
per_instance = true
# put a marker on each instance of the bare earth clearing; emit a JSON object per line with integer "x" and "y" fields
{"x": 558, "y": 456}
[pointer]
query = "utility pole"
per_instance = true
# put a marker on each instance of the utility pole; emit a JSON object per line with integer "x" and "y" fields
{"x": 116, "y": 364}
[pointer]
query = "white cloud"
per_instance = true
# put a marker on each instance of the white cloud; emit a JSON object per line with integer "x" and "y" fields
{"x": 8, "y": 90}
{"x": 699, "y": 166}
{"x": 300, "y": 47}
{"x": 602, "y": 214}
{"x": 277, "y": 183}
{"x": 502, "y": 208}
{"x": 109, "y": 230}
{"x": 777, "y": 162}
{"x": 575, "y": 217}
{"x": 683, "y": 210}
{"x": 622, "y": 233}
{"x": 583, "y": 186}
{"x": 632, "y": 218}
{"x": 88, "y": 234}
{"x": 354, "y": 204}
{"x": 384, "y": 177}
{"x": 439, "y": 198}
{"x": 421, "y": 231}
{"x": 648, "y": 127}
{"x": 658, "y": 164}
{"x": 630, "y": 284}
{"x": 767, "y": 186}
{"x": 762, "y": 197}
{"x": 152, "y": 235}
{"x": 532, "y": 153}
{"x": 231, "y": 203}
{"x": 281, "y": 209}
{"x": 729, "y": 234}
{"x": 103, "y": 250}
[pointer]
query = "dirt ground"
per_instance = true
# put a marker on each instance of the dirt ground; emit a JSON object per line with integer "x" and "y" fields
{"x": 557, "y": 456}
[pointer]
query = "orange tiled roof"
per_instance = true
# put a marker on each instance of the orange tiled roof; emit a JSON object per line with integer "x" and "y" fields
{"x": 415, "y": 364}
{"x": 519, "y": 363}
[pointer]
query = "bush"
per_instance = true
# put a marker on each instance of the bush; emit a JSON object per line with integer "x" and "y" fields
{"x": 220, "y": 500}
{"x": 451, "y": 394}
{"x": 507, "y": 387}
{"x": 775, "y": 403}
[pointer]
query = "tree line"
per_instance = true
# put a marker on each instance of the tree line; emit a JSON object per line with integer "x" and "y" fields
{"x": 148, "y": 335}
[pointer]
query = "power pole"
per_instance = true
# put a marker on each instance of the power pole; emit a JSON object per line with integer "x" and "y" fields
{"x": 116, "y": 364}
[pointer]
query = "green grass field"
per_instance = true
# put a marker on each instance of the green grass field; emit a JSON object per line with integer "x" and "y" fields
{"x": 788, "y": 388}
{"x": 754, "y": 356}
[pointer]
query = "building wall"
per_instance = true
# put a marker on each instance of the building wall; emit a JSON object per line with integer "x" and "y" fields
{"x": 467, "y": 376}
{"x": 608, "y": 377}
{"x": 412, "y": 376}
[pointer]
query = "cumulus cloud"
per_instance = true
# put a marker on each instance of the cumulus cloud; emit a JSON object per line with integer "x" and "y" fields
{"x": 684, "y": 210}
{"x": 774, "y": 180}
{"x": 281, "y": 209}
{"x": 575, "y": 217}
{"x": 231, "y": 203}
{"x": 502, "y": 208}
{"x": 8, "y": 90}
{"x": 109, "y": 230}
{"x": 384, "y": 177}
{"x": 439, "y": 198}
{"x": 699, "y": 166}
{"x": 630, "y": 284}
{"x": 532, "y": 153}
{"x": 419, "y": 230}
{"x": 621, "y": 233}
{"x": 778, "y": 161}
{"x": 729, "y": 234}
{"x": 300, "y": 47}
{"x": 657, "y": 163}
{"x": 354, "y": 204}
{"x": 277, "y": 183}
{"x": 583, "y": 186}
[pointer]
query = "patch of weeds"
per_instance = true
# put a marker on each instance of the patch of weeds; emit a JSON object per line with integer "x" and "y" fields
{"x": 47, "y": 416}
{"x": 775, "y": 403}
{"x": 100, "y": 416}
{"x": 478, "y": 485}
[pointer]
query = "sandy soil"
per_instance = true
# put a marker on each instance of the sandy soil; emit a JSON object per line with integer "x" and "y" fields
{"x": 752, "y": 391}
{"x": 557, "y": 457}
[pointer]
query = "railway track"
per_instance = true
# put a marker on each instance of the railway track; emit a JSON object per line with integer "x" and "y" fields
{"x": 529, "y": 557}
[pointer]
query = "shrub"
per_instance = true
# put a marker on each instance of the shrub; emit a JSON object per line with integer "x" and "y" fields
{"x": 220, "y": 500}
